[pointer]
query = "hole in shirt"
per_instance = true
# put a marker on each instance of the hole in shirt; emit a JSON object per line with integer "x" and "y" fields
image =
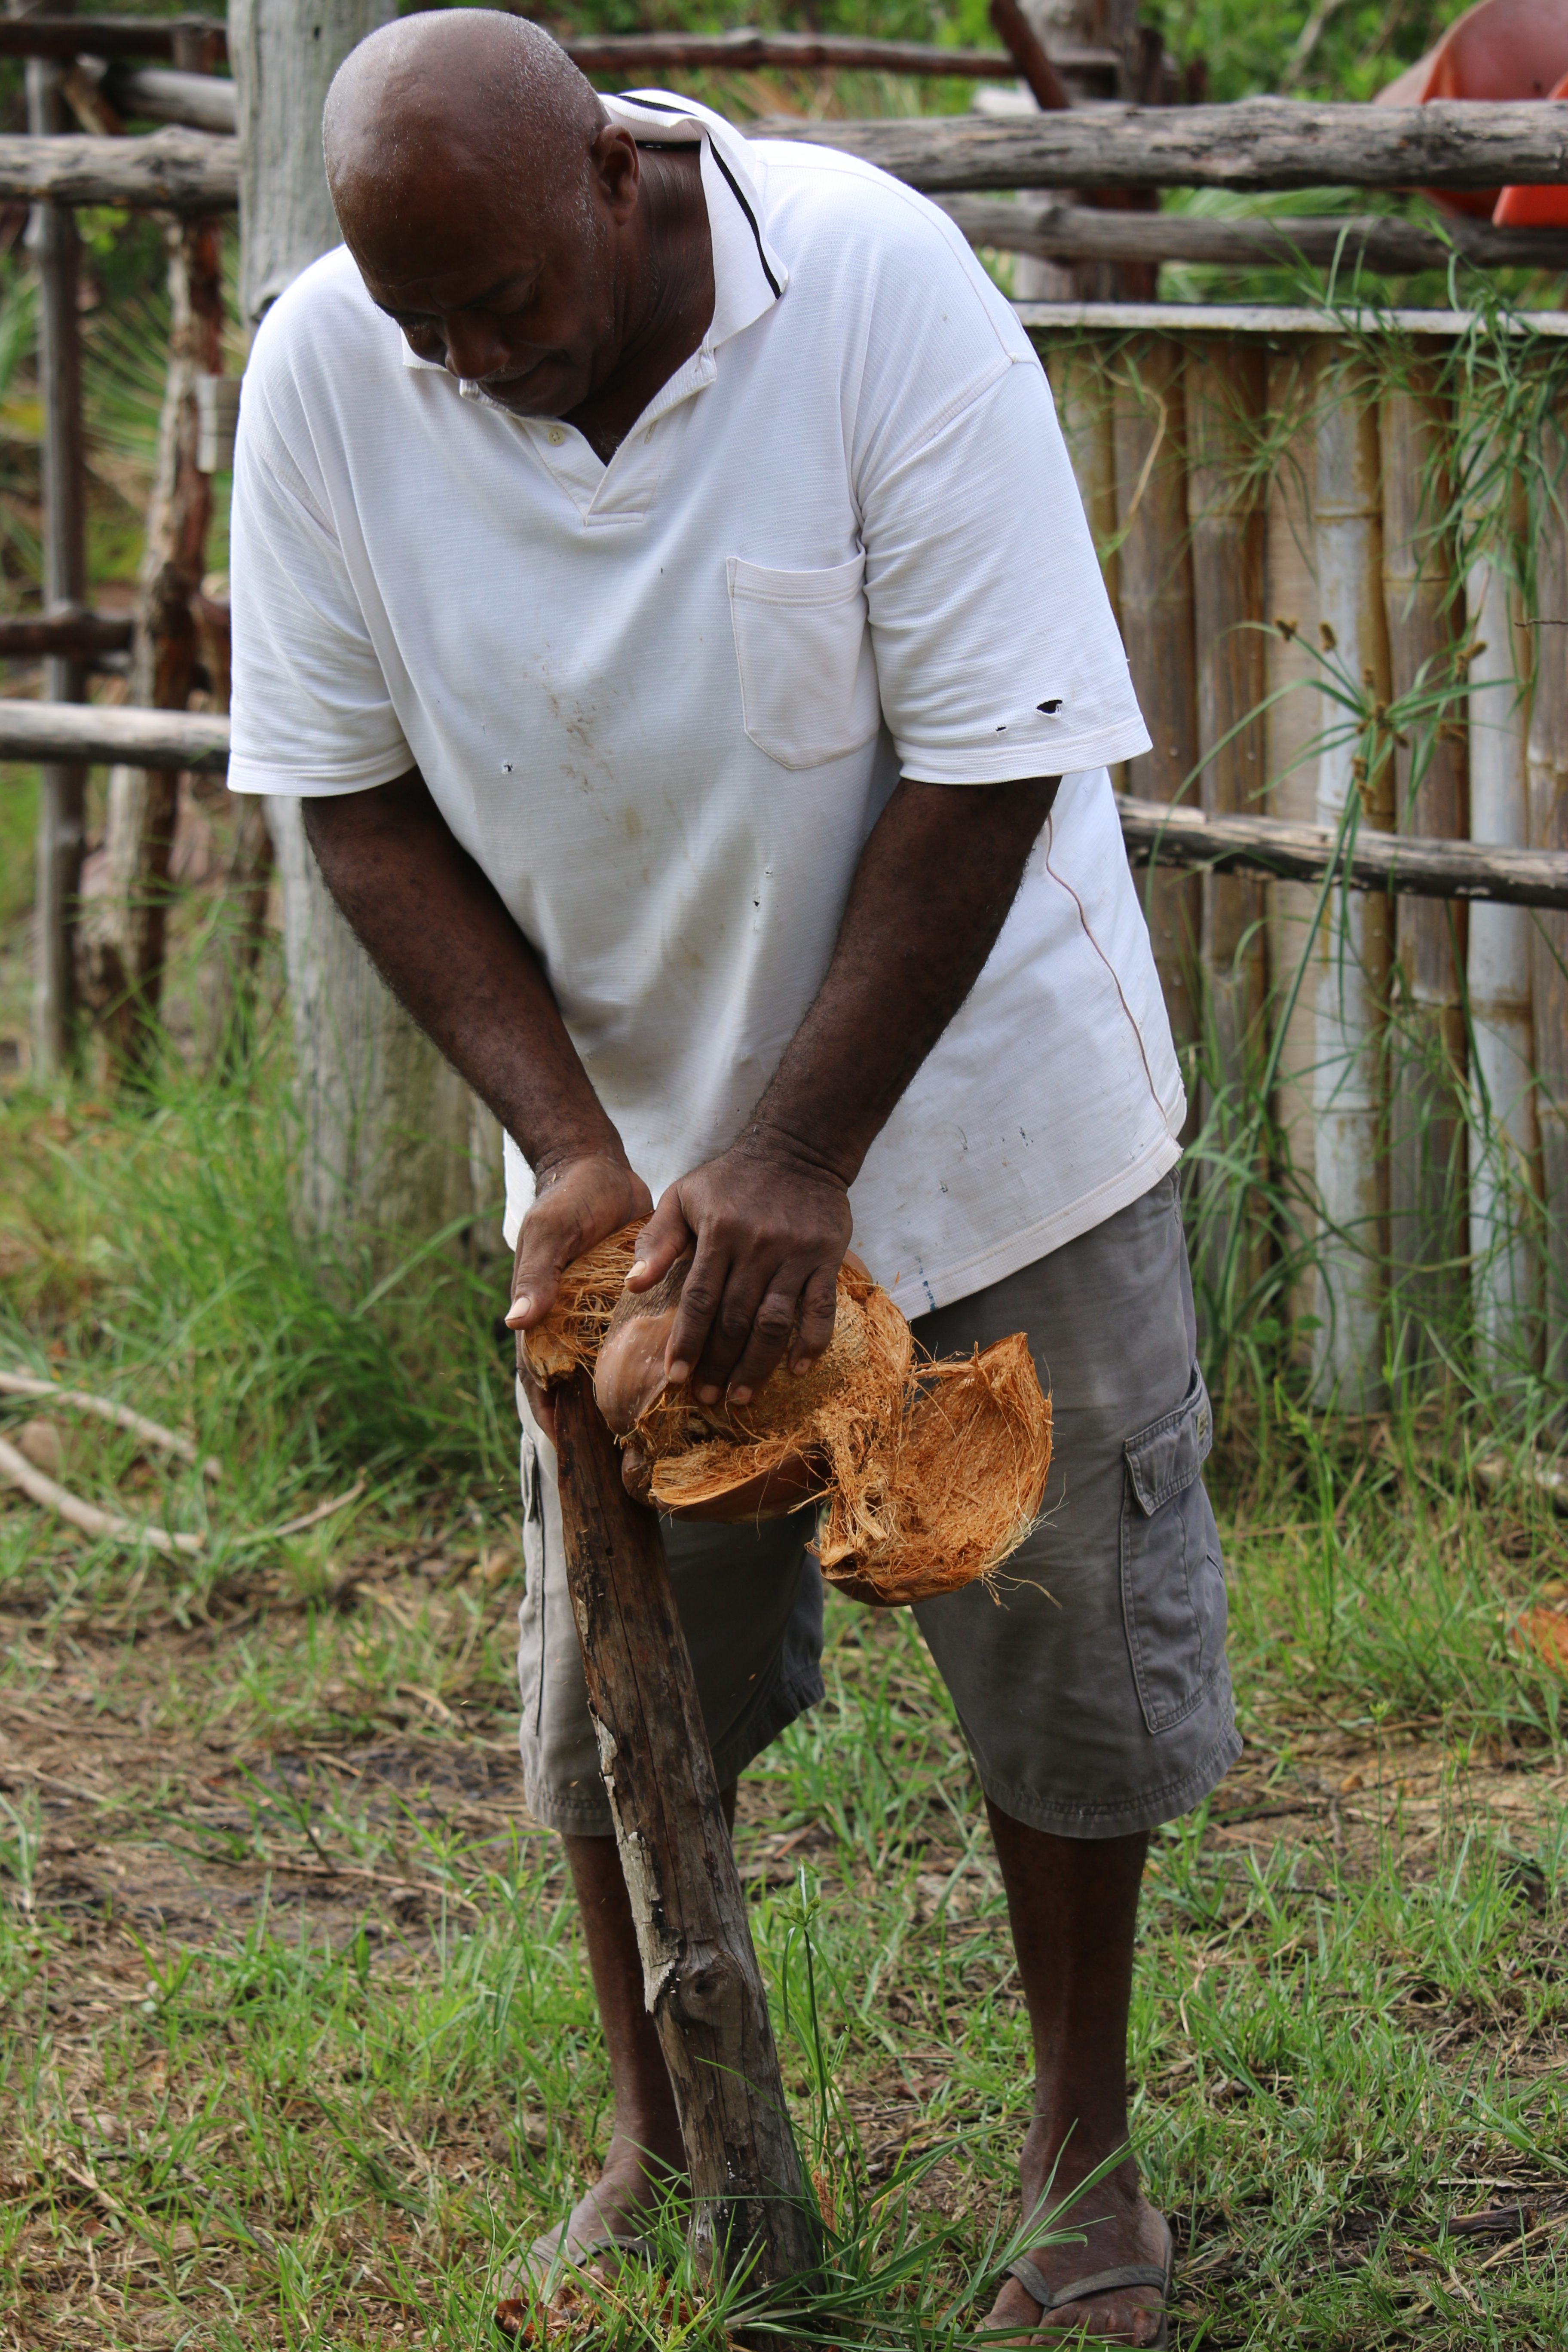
{"x": 1051, "y": 708}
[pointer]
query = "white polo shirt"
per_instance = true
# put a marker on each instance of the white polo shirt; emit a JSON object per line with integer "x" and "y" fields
{"x": 661, "y": 702}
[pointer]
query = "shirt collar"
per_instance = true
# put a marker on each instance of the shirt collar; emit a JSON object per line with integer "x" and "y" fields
{"x": 748, "y": 277}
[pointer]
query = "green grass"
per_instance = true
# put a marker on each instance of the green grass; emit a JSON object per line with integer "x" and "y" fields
{"x": 301, "y": 2044}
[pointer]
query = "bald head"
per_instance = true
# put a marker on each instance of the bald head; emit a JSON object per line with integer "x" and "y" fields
{"x": 464, "y": 94}
{"x": 503, "y": 220}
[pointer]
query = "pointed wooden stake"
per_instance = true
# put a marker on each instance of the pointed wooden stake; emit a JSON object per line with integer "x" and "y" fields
{"x": 703, "y": 1986}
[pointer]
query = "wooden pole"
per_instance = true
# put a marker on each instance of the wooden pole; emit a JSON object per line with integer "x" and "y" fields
{"x": 1348, "y": 1106}
{"x": 1290, "y": 723}
{"x": 52, "y": 240}
{"x": 1060, "y": 231}
{"x": 1504, "y": 1138}
{"x": 143, "y": 803}
{"x": 1155, "y": 585}
{"x": 1548, "y": 763}
{"x": 1391, "y": 866}
{"x": 1255, "y": 143}
{"x": 700, "y": 1979}
{"x": 1426, "y": 1069}
{"x": 1224, "y": 391}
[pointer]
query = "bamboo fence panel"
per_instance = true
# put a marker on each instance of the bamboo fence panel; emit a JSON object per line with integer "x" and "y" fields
{"x": 1350, "y": 1162}
{"x": 1081, "y": 388}
{"x": 1548, "y": 787}
{"x": 1428, "y": 1122}
{"x": 1504, "y": 1141}
{"x": 1155, "y": 581}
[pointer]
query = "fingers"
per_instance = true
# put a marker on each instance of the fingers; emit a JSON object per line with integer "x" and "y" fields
{"x": 589, "y": 1199}
{"x": 662, "y": 1243}
{"x": 769, "y": 1334}
{"x": 819, "y": 1314}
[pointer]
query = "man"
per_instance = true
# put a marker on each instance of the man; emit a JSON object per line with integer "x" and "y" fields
{"x": 656, "y": 562}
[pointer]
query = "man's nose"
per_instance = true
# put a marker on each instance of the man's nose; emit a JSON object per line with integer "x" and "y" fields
{"x": 474, "y": 349}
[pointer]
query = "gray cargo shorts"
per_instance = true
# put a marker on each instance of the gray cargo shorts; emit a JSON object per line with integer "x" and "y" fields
{"x": 1092, "y": 1689}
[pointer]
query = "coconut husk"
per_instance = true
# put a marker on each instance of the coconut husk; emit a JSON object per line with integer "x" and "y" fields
{"x": 930, "y": 1473}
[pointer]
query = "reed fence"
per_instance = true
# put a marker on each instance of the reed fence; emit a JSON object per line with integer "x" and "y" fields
{"x": 1340, "y": 559}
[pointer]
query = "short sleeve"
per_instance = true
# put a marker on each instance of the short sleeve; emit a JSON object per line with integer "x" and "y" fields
{"x": 311, "y": 712}
{"x": 998, "y": 653}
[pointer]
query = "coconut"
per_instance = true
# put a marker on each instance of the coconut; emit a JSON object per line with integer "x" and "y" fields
{"x": 928, "y": 1474}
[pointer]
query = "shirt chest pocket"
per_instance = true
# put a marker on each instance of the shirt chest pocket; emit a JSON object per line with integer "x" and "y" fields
{"x": 808, "y": 676}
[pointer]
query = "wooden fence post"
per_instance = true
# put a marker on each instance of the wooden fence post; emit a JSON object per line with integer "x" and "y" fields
{"x": 1503, "y": 1135}
{"x": 1548, "y": 756}
{"x": 704, "y": 1988}
{"x": 1225, "y": 388}
{"x": 130, "y": 922}
{"x": 1350, "y": 1123}
{"x": 1154, "y": 577}
{"x": 384, "y": 1121}
{"x": 1427, "y": 1055}
{"x": 1289, "y": 729}
{"x": 52, "y": 240}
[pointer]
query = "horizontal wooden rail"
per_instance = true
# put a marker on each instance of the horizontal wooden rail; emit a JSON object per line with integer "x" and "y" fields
{"x": 104, "y": 36}
{"x": 163, "y": 94}
{"x": 1160, "y": 834}
{"x": 1258, "y": 142}
{"x": 1172, "y": 836}
{"x": 1064, "y": 232}
{"x": 1044, "y": 321}
{"x": 28, "y": 636}
{"x": 88, "y": 735}
{"x": 172, "y": 171}
{"x": 744, "y": 51}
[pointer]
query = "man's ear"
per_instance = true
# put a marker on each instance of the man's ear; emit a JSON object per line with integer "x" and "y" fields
{"x": 618, "y": 169}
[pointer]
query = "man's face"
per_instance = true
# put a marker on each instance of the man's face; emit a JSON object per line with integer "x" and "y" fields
{"x": 521, "y": 299}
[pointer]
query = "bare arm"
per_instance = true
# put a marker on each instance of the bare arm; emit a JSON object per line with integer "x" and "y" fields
{"x": 770, "y": 1218}
{"x": 439, "y": 936}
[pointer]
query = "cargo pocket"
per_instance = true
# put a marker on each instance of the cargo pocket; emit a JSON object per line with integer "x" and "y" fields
{"x": 1173, "y": 1584}
{"x": 803, "y": 645}
{"x": 531, "y": 1609}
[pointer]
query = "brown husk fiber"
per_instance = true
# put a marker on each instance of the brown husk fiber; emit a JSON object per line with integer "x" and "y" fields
{"x": 931, "y": 1473}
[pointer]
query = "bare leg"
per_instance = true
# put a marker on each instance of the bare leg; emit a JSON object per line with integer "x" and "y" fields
{"x": 1073, "y": 1905}
{"x": 645, "y": 2152}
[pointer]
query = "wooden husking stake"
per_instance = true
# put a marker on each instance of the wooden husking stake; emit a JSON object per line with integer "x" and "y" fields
{"x": 704, "y": 1988}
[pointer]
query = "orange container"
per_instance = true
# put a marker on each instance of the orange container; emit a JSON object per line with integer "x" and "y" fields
{"x": 1502, "y": 50}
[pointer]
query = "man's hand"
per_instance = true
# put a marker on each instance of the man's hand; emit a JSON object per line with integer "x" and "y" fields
{"x": 579, "y": 1202}
{"x": 767, "y": 1228}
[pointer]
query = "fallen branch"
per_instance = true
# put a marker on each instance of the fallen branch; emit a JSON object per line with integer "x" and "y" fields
{"x": 310, "y": 1519}
{"x": 152, "y": 1432}
{"x": 17, "y": 1471}
{"x": 1399, "y": 862}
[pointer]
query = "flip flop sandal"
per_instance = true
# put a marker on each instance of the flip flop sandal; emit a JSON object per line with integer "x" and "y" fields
{"x": 1084, "y": 2290}
{"x": 528, "y": 2285}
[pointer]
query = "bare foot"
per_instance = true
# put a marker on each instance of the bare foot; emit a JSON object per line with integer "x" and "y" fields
{"x": 1116, "y": 2226}
{"x": 625, "y": 2196}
